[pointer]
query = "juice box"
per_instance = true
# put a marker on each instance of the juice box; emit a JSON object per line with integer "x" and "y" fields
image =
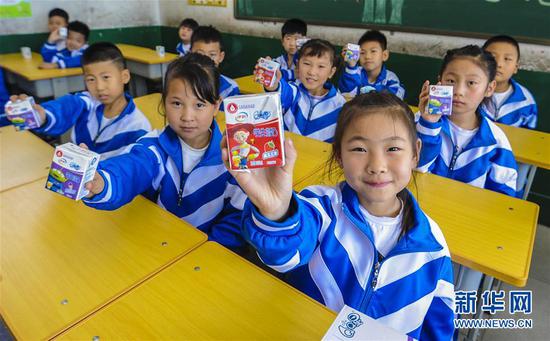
{"x": 22, "y": 115}
{"x": 72, "y": 167}
{"x": 63, "y": 32}
{"x": 352, "y": 52}
{"x": 267, "y": 70}
{"x": 441, "y": 100}
{"x": 255, "y": 133}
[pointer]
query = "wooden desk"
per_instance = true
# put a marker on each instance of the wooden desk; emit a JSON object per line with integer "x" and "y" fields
{"x": 486, "y": 231}
{"x": 210, "y": 294}
{"x": 38, "y": 82}
{"x": 23, "y": 158}
{"x": 247, "y": 85}
{"x": 61, "y": 261}
{"x": 145, "y": 63}
{"x": 149, "y": 105}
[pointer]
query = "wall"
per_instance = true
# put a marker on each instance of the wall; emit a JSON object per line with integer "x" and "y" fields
{"x": 97, "y": 14}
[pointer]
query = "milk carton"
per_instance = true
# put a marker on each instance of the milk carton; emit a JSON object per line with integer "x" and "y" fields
{"x": 72, "y": 167}
{"x": 63, "y": 32}
{"x": 351, "y": 324}
{"x": 267, "y": 71}
{"x": 22, "y": 115}
{"x": 352, "y": 52}
{"x": 255, "y": 133}
{"x": 441, "y": 100}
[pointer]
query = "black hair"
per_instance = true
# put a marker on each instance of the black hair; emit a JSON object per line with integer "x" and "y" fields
{"x": 58, "y": 12}
{"x": 480, "y": 57}
{"x": 199, "y": 72}
{"x": 189, "y": 23}
{"x": 80, "y": 27}
{"x": 502, "y": 39}
{"x": 374, "y": 35}
{"x": 102, "y": 52}
{"x": 318, "y": 47}
{"x": 367, "y": 104}
{"x": 207, "y": 34}
{"x": 293, "y": 26}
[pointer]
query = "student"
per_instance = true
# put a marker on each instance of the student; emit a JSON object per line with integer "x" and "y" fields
{"x": 104, "y": 118}
{"x": 511, "y": 103}
{"x": 56, "y": 18}
{"x": 4, "y": 97}
{"x": 185, "y": 32}
{"x": 77, "y": 40}
{"x": 292, "y": 30}
{"x": 371, "y": 73}
{"x": 207, "y": 41}
{"x": 180, "y": 167}
{"x": 364, "y": 242}
{"x": 467, "y": 146}
{"x": 311, "y": 106}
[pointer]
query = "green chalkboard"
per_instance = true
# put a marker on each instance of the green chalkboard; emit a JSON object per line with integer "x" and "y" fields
{"x": 527, "y": 20}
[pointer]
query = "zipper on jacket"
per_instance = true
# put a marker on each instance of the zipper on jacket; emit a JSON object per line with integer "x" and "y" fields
{"x": 456, "y": 152}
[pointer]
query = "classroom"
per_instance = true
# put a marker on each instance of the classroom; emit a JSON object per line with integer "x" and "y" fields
{"x": 274, "y": 170}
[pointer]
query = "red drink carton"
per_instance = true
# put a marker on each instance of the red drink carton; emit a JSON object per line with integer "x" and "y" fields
{"x": 255, "y": 132}
{"x": 267, "y": 70}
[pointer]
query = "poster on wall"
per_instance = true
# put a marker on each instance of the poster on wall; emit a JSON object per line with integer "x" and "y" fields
{"x": 15, "y": 9}
{"x": 217, "y": 3}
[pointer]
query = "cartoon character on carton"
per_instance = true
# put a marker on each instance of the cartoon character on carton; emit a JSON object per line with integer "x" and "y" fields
{"x": 56, "y": 179}
{"x": 243, "y": 152}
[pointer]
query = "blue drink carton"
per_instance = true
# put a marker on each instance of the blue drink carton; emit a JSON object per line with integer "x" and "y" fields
{"x": 72, "y": 167}
{"x": 22, "y": 115}
{"x": 441, "y": 100}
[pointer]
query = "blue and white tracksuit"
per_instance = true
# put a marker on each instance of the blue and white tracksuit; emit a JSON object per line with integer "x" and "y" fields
{"x": 355, "y": 81}
{"x": 288, "y": 71}
{"x": 328, "y": 250}
{"x": 63, "y": 58}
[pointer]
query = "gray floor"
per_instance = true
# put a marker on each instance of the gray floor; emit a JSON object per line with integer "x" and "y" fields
{"x": 539, "y": 283}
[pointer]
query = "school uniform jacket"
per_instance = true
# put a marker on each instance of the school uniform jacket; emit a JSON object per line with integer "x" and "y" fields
{"x": 181, "y": 50}
{"x": 208, "y": 197}
{"x": 84, "y": 114}
{"x": 355, "y": 81}
{"x": 287, "y": 71}
{"x": 518, "y": 110}
{"x": 63, "y": 58}
{"x": 302, "y": 117}
{"x": 328, "y": 250}
{"x": 228, "y": 88}
{"x": 486, "y": 161}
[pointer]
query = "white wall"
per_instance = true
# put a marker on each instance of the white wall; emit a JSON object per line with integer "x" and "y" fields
{"x": 533, "y": 57}
{"x": 96, "y": 14}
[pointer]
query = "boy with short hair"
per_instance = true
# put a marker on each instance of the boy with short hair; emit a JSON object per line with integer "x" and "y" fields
{"x": 57, "y": 18}
{"x": 292, "y": 30}
{"x": 371, "y": 74}
{"x": 207, "y": 40}
{"x": 185, "y": 32}
{"x": 104, "y": 118}
{"x": 511, "y": 103}
{"x": 77, "y": 40}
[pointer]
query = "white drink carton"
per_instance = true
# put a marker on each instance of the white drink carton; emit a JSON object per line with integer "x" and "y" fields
{"x": 22, "y": 115}
{"x": 267, "y": 71}
{"x": 352, "y": 53}
{"x": 441, "y": 100}
{"x": 72, "y": 167}
{"x": 255, "y": 133}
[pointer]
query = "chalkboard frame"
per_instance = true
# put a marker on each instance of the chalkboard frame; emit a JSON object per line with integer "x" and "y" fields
{"x": 391, "y": 28}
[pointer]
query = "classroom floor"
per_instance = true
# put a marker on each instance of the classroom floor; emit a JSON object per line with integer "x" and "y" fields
{"x": 539, "y": 283}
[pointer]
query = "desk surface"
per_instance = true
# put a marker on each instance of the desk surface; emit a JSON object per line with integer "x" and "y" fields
{"x": 247, "y": 85}
{"x": 529, "y": 146}
{"x": 210, "y": 294}
{"x": 144, "y": 55}
{"x": 23, "y": 158}
{"x": 487, "y": 231}
{"x": 28, "y": 68}
{"x": 56, "y": 249}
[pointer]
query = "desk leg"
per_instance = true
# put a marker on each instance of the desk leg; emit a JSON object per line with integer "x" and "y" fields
{"x": 138, "y": 86}
{"x": 163, "y": 68}
{"x": 529, "y": 182}
{"x": 488, "y": 283}
{"x": 60, "y": 87}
